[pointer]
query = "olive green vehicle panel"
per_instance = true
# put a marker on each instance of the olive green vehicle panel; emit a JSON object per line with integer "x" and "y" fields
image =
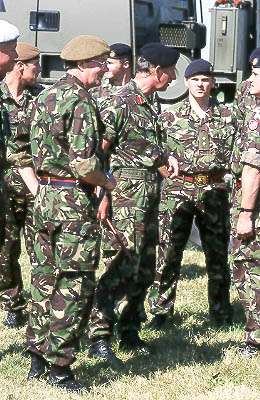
{"x": 107, "y": 19}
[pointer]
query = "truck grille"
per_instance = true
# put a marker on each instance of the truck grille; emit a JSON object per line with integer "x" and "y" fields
{"x": 173, "y": 36}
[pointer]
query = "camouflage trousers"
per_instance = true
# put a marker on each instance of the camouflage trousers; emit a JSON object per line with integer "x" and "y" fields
{"x": 246, "y": 272}
{"x": 3, "y": 202}
{"x": 126, "y": 279}
{"x": 18, "y": 218}
{"x": 210, "y": 208}
{"x": 66, "y": 248}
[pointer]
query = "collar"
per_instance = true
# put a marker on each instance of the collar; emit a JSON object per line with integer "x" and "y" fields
{"x": 7, "y": 95}
{"x": 212, "y": 111}
{"x": 71, "y": 79}
{"x": 139, "y": 95}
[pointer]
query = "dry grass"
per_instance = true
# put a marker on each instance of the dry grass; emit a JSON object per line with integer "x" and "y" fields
{"x": 192, "y": 360}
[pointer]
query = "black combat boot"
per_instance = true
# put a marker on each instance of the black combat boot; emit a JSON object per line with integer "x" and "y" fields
{"x": 38, "y": 367}
{"x": 13, "y": 319}
{"x": 64, "y": 378}
{"x": 250, "y": 351}
{"x": 101, "y": 348}
{"x": 130, "y": 341}
{"x": 157, "y": 322}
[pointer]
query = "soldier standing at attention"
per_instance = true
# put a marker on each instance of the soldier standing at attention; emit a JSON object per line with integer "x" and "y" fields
{"x": 18, "y": 89}
{"x": 198, "y": 132}
{"x": 132, "y": 141}
{"x": 118, "y": 74}
{"x": 8, "y": 41}
{"x": 246, "y": 217}
{"x": 67, "y": 155}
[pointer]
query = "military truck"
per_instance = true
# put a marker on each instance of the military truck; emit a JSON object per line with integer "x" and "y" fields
{"x": 50, "y": 24}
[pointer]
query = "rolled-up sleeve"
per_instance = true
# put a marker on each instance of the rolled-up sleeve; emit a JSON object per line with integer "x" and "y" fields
{"x": 18, "y": 144}
{"x": 84, "y": 139}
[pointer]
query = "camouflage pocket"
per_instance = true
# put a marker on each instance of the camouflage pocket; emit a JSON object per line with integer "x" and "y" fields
{"x": 78, "y": 246}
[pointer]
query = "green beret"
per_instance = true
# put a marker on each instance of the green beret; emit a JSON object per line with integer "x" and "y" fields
{"x": 26, "y": 51}
{"x": 84, "y": 47}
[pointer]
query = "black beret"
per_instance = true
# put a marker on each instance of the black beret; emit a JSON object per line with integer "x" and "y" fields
{"x": 198, "y": 67}
{"x": 254, "y": 58}
{"x": 120, "y": 50}
{"x": 158, "y": 54}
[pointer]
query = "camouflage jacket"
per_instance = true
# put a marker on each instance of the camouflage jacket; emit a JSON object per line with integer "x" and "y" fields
{"x": 244, "y": 107}
{"x": 65, "y": 131}
{"x": 15, "y": 113}
{"x": 131, "y": 128}
{"x": 102, "y": 92}
{"x": 200, "y": 145}
{"x": 251, "y": 148}
{"x": 4, "y": 133}
{"x": 107, "y": 89}
{"x": 243, "y": 103}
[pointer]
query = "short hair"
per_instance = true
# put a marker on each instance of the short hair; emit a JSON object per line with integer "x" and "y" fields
{"x": 143, "y": 65}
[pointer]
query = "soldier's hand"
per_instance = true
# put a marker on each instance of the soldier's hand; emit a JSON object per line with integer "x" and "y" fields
{"x": 103, "y": 210}
{"x": 173, "y": 167}
{"x": 245, "y": 226}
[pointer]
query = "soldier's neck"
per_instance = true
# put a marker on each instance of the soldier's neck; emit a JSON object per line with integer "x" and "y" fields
{"x": 15, "y": 86}
{"x": 145, "y": 84}
{"x": 122, "y": 80}
{"x": 199, "y": 105}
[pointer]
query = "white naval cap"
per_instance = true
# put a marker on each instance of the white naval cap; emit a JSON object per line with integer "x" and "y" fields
{"x": 8, "y": 32}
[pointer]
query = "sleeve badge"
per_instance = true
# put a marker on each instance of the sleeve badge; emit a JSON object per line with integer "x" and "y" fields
{"x": 253, "y": 124}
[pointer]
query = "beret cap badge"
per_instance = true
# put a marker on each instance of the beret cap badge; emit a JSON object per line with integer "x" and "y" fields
{"x": 255, "y": 61}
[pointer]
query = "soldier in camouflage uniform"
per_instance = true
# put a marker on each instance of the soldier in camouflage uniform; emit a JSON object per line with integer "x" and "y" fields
{"x": 132, "y": 140}
{"x": 65, "y": 143}
{"x": 199, "y": 133}
{"x": 18, "y": 89}
{"x": 8, "y": 41}
{"x": 243, "y": 98}
{"x": 119, "y": 72}
{"x": 246, "y": 217}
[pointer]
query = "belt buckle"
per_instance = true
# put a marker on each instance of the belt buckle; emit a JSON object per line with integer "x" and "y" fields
{"x": 200, "y": 180}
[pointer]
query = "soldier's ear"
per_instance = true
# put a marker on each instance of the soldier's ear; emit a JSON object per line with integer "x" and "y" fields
{"x": 158, "y": 72}
{"x": 81, "y": 65}
{"x": 126, "y": 64}
{"x": 186, "y": 82}
{"x": 213, "y": 82}
{"x": 19, "y": 65}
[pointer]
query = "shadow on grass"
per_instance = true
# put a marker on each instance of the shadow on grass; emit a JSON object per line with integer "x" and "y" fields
{"x": 192, "y": 271}
{"x": 176, "y": 345}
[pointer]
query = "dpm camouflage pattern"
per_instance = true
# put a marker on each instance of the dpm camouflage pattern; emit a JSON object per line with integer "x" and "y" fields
{"x": 201, "y": 147}
{"x": 63, "y": 279}
{"x": 105, "y": 90}
{"x": 65, "y": 141}
{"x": 121, "y": 290}
{"x": 243, "y": 103}
{"x": 131, "y": 128}
{"x": 246, "y": 254}
{"x": 4, "y": 136}
{"x": 19, "y": 214}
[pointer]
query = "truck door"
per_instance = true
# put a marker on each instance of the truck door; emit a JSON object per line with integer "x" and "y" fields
{"x": 50, "y": 24}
